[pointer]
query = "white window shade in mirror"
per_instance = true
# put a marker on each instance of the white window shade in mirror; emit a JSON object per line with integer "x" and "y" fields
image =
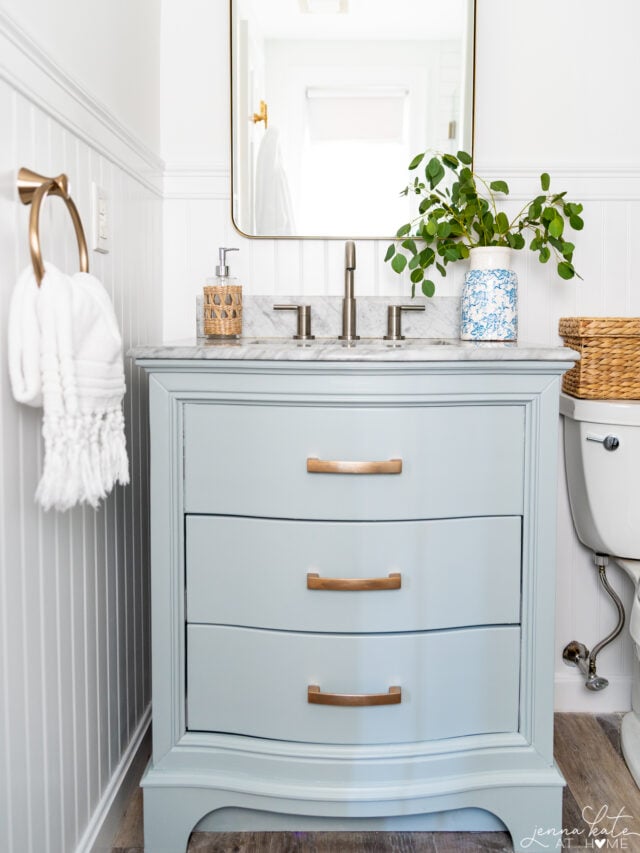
{"x": 349, "y": 114}
{"x": 330, "y": 102}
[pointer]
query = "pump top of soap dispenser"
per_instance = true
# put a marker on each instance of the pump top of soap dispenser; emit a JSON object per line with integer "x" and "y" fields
{"x": 222, "y": 270}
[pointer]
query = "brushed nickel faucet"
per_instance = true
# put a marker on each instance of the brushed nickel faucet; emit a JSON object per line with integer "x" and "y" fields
{"x": 349, "y": 316}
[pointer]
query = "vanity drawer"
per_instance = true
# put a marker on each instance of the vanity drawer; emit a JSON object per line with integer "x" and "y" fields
{"x": 452, "y": 683}
{"x": 253, "y": 572}
{"x": 456, "y": 460}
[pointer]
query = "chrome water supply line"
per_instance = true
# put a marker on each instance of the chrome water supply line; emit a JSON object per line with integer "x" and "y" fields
{"x": 577, "y": 654}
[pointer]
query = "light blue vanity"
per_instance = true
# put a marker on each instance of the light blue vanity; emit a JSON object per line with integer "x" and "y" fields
{"x": 352, "y": 650}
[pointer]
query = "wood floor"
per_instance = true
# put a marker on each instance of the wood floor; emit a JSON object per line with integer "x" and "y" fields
{"x": 599, "y": 787}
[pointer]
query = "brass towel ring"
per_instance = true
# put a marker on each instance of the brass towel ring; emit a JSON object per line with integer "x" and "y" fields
{"x": 32, "y": 188}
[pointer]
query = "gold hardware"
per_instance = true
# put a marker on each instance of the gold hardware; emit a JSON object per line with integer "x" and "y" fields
{"x": 263, "y": 115}
{"x": 328, "y": 466}
{"x": 393, "y": 581}
{"x": 33, "y": 188}
{"x": 316, "y": 697}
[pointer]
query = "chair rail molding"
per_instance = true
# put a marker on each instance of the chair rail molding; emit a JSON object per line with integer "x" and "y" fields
{"x": 28, "y": 68}
{"x": 197, "y": 181}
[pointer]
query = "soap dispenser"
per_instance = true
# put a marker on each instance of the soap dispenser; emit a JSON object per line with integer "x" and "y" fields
{"x": 223, "y": 301}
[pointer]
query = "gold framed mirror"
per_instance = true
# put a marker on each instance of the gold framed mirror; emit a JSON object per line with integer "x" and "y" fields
{"x": 331, "y": 99}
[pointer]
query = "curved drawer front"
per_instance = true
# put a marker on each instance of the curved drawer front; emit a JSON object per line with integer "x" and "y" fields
{"x": 452, "y": 683}
{"x": 252, "y": 460}
{"x": 253, "y": 572}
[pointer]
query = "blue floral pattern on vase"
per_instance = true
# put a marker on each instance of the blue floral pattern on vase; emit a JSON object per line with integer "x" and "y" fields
{"x": 489, "y": 308}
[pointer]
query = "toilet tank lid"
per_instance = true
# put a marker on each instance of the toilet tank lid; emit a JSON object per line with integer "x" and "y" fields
{"x": 601, "y": 411}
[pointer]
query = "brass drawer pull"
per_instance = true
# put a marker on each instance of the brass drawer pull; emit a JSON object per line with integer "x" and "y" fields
{"x": 393, "y": 581}
{"x": 329, "y": 466}
{"x": 316, "y": 697}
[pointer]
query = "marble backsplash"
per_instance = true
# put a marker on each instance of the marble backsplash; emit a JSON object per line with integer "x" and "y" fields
{"x": 441, "y": 318}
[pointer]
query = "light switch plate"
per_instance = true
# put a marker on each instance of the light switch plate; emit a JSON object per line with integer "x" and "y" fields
{"x": 101, "y": 220}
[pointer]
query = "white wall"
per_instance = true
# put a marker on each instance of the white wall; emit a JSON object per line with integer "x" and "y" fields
{"x": 556, "y": 89}
{"x": 74, "y": 622}
{"x": 110, "y": 49}
{"x": 556, "y": 85}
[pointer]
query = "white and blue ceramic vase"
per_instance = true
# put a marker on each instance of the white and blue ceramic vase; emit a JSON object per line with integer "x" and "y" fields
{"x": 489, "y": 308}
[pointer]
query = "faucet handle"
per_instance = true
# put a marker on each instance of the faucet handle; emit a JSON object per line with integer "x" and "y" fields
{"x": 304, "y": 320}
{"x": 394, "y": 320}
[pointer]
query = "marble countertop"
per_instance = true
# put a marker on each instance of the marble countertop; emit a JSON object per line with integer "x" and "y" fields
{"x": 366, "y": 349}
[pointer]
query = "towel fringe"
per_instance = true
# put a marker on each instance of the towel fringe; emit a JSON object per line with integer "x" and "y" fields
{"x": 85, "y": 456}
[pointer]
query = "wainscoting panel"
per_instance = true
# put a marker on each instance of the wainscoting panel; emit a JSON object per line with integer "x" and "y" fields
{"x": 74, "y": 586}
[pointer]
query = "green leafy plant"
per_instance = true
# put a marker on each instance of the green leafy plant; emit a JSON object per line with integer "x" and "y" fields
{"x": 455, "y": 217}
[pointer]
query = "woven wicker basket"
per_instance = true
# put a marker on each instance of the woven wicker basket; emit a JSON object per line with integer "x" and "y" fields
{"x": 609, "y": 366}
{"x": 223, "y": 310}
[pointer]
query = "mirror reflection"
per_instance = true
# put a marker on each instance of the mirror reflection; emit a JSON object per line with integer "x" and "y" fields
{"x": 330, "y": 101}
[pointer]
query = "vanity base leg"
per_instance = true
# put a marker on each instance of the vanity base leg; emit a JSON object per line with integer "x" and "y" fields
{"x": 531, "y": 814}
{"x": 520, "y": 811}
{"x": 169, "y": 818}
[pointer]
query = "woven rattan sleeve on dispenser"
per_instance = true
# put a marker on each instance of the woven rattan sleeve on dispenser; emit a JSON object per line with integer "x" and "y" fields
{"x": 223, "y": 310}
{"x": 222, "y": 306}
{"x": 609, "y": 366}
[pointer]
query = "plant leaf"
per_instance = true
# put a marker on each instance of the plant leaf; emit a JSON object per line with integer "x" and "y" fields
{"x": 535, "y": 209}
{"x": 499, "y": 187}
{"x": 390, "y": 252}
{"x": 502, "y": 223}
{"x": 410, "y": 246}
{"x": 428, "y": 287}
{"x": 433, "y": 167}
{"x": 404, "y": 230}
{"x": 426, "y": 203}
{"x": 566, "y": 270}
{"x": 545, "y": 181}
{"x": 417, "y": 276}
{"x": 450, "y": 161}
{"x": 435, "y": 179}
{"x": 416, "y": 161}
{"x": 556, "y": 227}
{"x": 465, "y": 158}
{"x": 576, "y": 222}
{"x": 426, "y": 257}
{"x": 399, "y": 263}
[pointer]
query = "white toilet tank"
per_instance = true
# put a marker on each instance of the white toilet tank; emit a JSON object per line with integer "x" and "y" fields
{"x": 604, "y": 485}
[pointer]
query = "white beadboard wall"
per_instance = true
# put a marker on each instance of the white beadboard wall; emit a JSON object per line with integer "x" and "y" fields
{"x": 74, "y": 617}
{"x": 556, "y": 116}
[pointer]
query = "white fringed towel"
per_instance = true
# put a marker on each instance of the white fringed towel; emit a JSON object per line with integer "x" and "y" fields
{"x": 65, "y": 354}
